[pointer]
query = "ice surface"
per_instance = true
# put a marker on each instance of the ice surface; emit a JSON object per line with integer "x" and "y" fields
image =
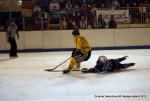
{"x": 24, "y": 79}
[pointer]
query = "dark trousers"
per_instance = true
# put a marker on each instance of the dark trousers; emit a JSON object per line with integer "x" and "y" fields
{"x": 117, "y": 65}
{"x": 13, "y": 47}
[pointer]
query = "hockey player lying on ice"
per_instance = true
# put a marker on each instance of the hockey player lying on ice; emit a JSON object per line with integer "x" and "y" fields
{"x": 108, "y": 65}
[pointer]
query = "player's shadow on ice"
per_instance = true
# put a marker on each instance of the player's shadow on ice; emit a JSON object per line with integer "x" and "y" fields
{"x": 117, "y": 72}
{"x": 101, "y": 74}
{"x": 85, "y": 78}
{"x": 7, "y": 59}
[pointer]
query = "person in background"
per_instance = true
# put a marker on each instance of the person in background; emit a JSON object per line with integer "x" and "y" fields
{"x": 68, "y": 5}
{"x": 83, "y": 9}
{"x": 36, "y": 15}
{"x": 37, "y": 11}
{"x": 112, "y": 22}
{"x": 83, "y": 23}
{"x": 54, "y": 6}
{"x": 134, "y": 13}
{"x": 71, "y": 23}
{"x": 101, "y": 22}
{"x": 63, "y": 23}
{"x": 95, "y": 23}
{"x": 142, "y": 13}
{"x": 77, "y": 18}
{"x": 69, "y": 8}
{"x": 93, "y": 9}
{"x": 12, "y": 31}
{"x": 114, "y": 4}
{"x": 62, "y": 3}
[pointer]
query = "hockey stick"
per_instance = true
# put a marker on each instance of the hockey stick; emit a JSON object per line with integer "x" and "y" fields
{"x": 62, "y": 70}
{"x": 58, "y": 65}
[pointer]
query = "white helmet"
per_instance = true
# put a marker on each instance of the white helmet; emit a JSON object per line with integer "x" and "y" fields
{"x": 102, "y": 59}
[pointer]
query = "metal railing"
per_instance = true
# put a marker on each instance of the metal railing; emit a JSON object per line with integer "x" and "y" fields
{"x": 52, "y": 20}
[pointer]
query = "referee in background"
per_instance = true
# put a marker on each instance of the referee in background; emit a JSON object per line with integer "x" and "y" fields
{"x": 12, "y": 32}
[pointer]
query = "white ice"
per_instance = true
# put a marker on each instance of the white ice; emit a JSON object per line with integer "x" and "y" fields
{"x": 24, "y": 78}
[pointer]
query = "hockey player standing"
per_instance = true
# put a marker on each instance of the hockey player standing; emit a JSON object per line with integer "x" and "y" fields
{"x": 12, "y": 31}
{"x": 108, "y": 65}
{"x": 82, "y": 51}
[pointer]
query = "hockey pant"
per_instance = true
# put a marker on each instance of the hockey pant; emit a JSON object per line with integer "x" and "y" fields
{"x": 117, "y": 65}
{"x": 76, "y": 60}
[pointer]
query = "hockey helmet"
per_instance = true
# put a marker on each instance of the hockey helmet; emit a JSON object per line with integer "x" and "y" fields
{"x": 75, "y": 31}
{"x": 102, "y": 59}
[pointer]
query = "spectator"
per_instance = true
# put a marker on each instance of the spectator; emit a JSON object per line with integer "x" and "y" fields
{"x": 83, "y": 23}
{"x": 142, "y": 13}
{"x": 36, "y": 13}
{"x": 89, "y": 14}
{"x": 37, "y": 9}
{"x": 74, "y": 22}
{"x": 93, "y": 9}
{"x": 63, "y": 23}
{"x": 54, "y": 6}
{"x": 134, "y": 13}
{"x": 71, "y": 23}
{"x": 83, "y": 10}
{"x": 62, "y": 4}
{"x": 101, "y": 22}
{"x": 102, "y": 6}
{"x": 68, "y": 5}
{"x": 95, "y": 23}
{"x": 114, "y": 4}
{"x": 77, "y": 18}
{"x": 12, "y": 31}
{"x": 148, "y": 12}
{"x": 76, "y": 8}
{"x": 112, "y": 22}
{"x": 69, "y": 8}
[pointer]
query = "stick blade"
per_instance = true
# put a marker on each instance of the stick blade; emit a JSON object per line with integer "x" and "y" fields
{"x": 48, "y": 69}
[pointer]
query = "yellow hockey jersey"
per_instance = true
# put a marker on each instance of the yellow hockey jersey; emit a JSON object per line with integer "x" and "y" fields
{"x": 82, "y": 44}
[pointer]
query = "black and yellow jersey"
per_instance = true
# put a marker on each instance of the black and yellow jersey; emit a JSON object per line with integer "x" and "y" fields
{"x": 82, "y": 44}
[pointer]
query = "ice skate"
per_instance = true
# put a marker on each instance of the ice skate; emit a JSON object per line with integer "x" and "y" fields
{"x": 84, "y": 70}
{"x": 131, "y": 64}
{"x": 66, "y": 71}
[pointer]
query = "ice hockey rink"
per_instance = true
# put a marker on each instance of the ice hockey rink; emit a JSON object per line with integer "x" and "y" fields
{"x": 24, "y": 78}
